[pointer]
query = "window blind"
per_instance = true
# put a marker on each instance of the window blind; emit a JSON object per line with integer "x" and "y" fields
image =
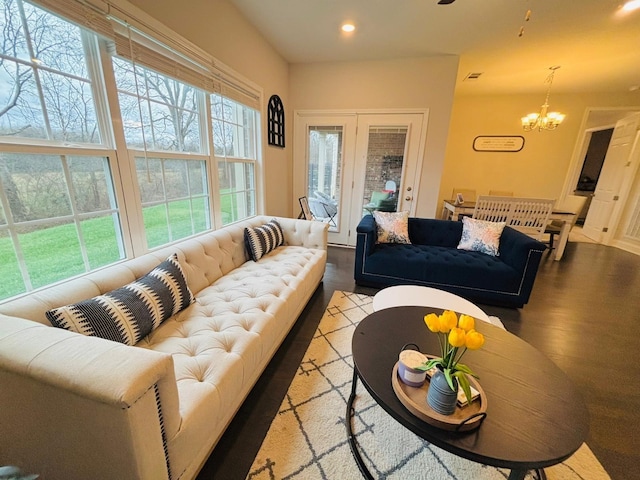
{"x": 109, "y": 19}
{"x": 90, "y": 15}
{"x": 130, "y": 44}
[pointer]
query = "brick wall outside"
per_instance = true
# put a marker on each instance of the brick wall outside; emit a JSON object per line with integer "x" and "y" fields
{"x": 384, "y": 161}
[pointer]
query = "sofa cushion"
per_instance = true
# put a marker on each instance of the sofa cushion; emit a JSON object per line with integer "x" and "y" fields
{"x": 131, "y": 312}
{"x": 441, "y": 267}
{"x": 261, "y": 240}
{"x": 481, "y": 236}
{"x": 392, "y": 227}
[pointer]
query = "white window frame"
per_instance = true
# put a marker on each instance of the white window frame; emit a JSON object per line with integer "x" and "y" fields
{"x": 229, "y": 84}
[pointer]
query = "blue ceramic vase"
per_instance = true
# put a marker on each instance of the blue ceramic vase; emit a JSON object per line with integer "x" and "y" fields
{"x": 440, "y": 397}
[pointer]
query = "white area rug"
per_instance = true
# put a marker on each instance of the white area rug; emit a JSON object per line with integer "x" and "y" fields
{"x": 308, "y": 439}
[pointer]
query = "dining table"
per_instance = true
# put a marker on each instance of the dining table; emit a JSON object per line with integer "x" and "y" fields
{"x": 451, "y": 210}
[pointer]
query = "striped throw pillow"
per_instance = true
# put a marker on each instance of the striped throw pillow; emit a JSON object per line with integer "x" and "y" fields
{"x": 261, "y": 240}
{"x": 129, "y": 313}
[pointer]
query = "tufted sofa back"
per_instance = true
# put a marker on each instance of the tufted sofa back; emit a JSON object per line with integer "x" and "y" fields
{"x": 439, "y": 233}
{"x": 204, "y": 259}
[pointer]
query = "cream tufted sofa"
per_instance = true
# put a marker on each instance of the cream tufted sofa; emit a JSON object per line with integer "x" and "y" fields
{"x": 77, "y": 407}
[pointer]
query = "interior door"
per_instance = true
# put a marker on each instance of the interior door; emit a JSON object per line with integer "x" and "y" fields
{"x": 607, "y": 193}
{"x": 356, "y": 163}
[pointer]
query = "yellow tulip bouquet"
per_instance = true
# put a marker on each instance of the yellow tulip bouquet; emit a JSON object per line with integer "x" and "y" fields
{"x": 455, "y": 336}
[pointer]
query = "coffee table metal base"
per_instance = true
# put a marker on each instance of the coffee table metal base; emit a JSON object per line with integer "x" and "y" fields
{"x": 513, "y": 474}
{"x": 352, "y": 436}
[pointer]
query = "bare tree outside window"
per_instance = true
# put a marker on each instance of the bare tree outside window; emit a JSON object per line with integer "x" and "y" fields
{"x": 169, "y": 108}
{"x": 46, "y": 90}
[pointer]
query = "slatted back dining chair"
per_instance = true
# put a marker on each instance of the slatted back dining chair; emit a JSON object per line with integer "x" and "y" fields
{"x": 492, "y": 208}
{"x": 528, "y": 215}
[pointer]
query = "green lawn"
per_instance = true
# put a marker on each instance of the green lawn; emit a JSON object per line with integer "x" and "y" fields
{"x": 53, "y": 254}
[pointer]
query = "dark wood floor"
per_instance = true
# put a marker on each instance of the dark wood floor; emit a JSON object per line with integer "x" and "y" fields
{"x": 583, "y": 314}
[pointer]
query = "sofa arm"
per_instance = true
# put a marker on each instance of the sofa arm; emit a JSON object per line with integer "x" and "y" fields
{"x": 367, "y": 235}
{"x": 73, "y": 406}
{"x": 515, "y": 248}
{"x": 365, "y": 245}
{"x": 304, "y": 233}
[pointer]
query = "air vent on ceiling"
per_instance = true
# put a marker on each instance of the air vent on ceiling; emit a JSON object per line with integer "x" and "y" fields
{"x": 473, "y": 76}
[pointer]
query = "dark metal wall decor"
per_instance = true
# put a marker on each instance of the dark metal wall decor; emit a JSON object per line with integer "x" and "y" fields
{"x": 498, "y": 143}
{"x": 275, "y": 118}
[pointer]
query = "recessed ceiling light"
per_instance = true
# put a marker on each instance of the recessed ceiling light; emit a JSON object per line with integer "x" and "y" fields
{"x": 631, "y": 5}
{"x": 348, "y": 27}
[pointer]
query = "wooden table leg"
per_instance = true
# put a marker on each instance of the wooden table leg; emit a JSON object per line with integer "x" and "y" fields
{"x": 563, "y": 238}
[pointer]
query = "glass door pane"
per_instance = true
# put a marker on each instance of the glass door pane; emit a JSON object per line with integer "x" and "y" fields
{"x": 324, "y": 173}
{"x": 383, "y": 170}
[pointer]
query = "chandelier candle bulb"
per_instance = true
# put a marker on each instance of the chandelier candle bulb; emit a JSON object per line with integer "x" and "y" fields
{"x": 544, "y": 120}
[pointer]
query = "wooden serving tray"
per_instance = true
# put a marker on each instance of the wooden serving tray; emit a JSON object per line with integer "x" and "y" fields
{"x": 461, "y": 420}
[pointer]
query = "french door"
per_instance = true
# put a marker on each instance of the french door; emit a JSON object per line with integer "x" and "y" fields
{"x": 351, "y": 164}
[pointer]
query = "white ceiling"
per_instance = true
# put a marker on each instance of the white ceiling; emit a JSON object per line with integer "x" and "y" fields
{"x": 597, "y": 47}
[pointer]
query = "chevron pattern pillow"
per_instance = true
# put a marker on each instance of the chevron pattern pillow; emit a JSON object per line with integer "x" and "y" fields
{"x": 129, "y": 313}
{"x": 261, "y": 240}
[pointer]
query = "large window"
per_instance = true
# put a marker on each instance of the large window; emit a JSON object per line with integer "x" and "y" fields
{"x": 234, "y": 141}
{"x": 60, "y": 216}
{"x": 92, "y": 171}
{"x": 163, "y": 114}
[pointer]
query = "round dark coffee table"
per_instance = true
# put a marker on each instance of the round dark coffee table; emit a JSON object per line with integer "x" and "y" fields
{"x": 535, "y": 415}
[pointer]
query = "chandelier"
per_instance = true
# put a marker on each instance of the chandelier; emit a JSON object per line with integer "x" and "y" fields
{"x": 544, "y": 120}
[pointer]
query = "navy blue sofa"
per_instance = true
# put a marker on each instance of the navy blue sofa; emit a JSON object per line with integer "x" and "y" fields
{"x": 433, "y": 260}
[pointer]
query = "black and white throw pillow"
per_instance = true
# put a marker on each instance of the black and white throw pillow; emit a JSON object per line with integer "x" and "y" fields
{"x": 261, "y": 240}
{"x": 131, "y": 312}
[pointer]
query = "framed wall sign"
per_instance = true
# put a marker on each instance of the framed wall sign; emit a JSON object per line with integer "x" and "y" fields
{"x": 498, "y": 143}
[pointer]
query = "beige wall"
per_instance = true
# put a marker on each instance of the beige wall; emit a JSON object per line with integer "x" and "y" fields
{"x": 394, "y": 84}
{"x": 217, "y": 27}
{"x": 541, "y": 167}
